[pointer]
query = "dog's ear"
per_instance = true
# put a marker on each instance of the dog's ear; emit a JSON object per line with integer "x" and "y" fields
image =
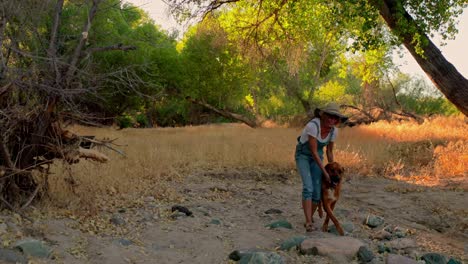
{"x": 341, "y": 169}
{"x": 328, "y": 167}
{"x": 338, "y": 168}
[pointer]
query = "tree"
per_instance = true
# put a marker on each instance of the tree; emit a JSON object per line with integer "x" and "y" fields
{"x": 214, "y": 73}
{"x": 410, "y": 22}
{"x": 48, "y": 63}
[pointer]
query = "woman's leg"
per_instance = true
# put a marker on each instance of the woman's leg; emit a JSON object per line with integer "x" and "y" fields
{"x": 316, "y": 181}
{"x": 303, "y": 166}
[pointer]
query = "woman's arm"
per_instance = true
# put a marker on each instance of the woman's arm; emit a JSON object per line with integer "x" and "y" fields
{"x": 315, "y": 155}
{"x": 330, "y": 157}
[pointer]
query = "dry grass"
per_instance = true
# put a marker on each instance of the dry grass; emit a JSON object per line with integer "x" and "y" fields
{"x": 155, "y": 157}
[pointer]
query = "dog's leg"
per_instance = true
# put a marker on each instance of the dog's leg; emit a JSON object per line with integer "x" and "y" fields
{"x": 329, "y": 209}
{"x": 320, "y": 211}
{"x": 325, "y": 202}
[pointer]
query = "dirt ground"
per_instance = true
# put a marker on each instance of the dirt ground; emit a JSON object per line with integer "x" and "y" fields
{"x": 229, "y": 214}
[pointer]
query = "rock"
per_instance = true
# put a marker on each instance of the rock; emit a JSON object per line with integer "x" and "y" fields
{"x": 402, "y": 243}
{"x": 117, "y": 220}
{"x": 382, "y": 248}
{"x": 33, "y": 248}
{"x": 279, "y": 223}
{"x": 11, "y": 256}
{"x": 215, "y": 221}
{"x": 434, "y": 258}
{"x": 181, "y": 209}
{"x": 255, "y": 256}
{"x": 176, "y": 215}
{"x": 453, "y": 261}
{"x": 365, "y": 254}
{"x": 382, "y": 235}
{"x": 346, "y": 246}
{"x": 124, "y": 242}
{"x": 398, "y": 259}
{"x": 292, "y": 242}
{"x": 396, "y": 231}
{"x": 347, "y": 227}
{"x": 273, "y": 211}
{"x": 374, "y": 221}
{"x": 262, "y": 258}
{"x": 399, "y": 234}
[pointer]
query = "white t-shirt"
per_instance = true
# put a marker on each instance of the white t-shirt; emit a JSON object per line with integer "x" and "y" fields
{"x": 314, "y": 131}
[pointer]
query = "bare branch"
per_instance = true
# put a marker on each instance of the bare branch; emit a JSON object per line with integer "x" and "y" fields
{"x": 52, "y": 51}
{"x": 84, "y": 37}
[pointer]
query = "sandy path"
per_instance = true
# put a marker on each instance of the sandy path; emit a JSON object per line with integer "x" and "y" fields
{"x": 228, "y": 214}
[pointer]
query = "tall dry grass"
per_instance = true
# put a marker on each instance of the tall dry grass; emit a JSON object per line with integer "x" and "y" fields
{"x": 155, "y": 157}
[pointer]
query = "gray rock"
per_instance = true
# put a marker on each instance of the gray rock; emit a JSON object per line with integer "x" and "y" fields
{"x": 346, "y": 246}
{"x": 215, "y": 221}
{"x": 399, "y": 234}
{"x": 365, "y": 254}
{"x": 453, "y": 261}
{"x": 382, "y": 235}
{"x": 402, "y": 243}
{"x": 280, "y": 223}
{"x": 434, "y": 258}
{"x": 374, "y": 221}
{"x": 11, "y": 256}
{"x": 398, "y": 259}
{"x": 256, "y": 256}
{"x": 124, "y": 242}
{"x": 347, "y": 227}
{"x": 117, "y": 220}
{"x": 262, "y": 258}
{"x": 382, "y": 248}
{"x": 292, "y": 242}
{"x": 33, "y": 248}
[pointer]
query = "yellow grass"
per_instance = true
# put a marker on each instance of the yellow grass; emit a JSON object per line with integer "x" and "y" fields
{"x": 155, "y": 157}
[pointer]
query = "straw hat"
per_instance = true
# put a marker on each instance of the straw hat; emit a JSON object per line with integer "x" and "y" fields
{"x": 332, "y": 109}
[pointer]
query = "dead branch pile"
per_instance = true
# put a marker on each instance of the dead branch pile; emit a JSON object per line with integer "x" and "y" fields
{"x": 30, "y": 140}
{"x": 43, "y": 74}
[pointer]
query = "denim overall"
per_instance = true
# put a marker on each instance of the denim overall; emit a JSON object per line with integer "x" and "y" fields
{"x": 309, "y": 170}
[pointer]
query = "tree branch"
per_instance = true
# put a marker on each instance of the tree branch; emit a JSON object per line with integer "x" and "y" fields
{"x": 84, "y": 37}
{"x": 119, "y": 46}
{"x": 225, "y": 113}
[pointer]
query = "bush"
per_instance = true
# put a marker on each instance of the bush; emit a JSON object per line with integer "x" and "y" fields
{"x": 124, "y": 121}
{"x": 142, "y": 120}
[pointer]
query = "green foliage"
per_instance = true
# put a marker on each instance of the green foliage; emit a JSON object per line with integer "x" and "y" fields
{"x": 142, "y": 120}
{"x": 212, "y": 71}
{"x": 172, "y": 112}
{"x": 124, "y": 121}
{"x": 427, "y": 105}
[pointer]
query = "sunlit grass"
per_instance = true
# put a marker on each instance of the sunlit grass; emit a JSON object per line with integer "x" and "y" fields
{"x": 423, "y": 154}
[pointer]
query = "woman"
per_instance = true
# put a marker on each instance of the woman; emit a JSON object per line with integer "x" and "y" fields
{"x": 318, "y": 133}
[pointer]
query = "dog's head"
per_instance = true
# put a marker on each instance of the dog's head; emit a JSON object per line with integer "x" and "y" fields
{"x": 335, "y": 170}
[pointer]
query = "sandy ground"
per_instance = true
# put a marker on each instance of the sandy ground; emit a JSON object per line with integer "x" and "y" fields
{"x": 228, "y": 214}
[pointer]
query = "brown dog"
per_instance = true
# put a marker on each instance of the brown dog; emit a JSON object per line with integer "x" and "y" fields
{"x": 330, "y": 195}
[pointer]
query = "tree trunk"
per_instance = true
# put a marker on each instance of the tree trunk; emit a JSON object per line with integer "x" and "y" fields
{"x": 243, "y": 119}
{"x": 442, "y": 73}
{"x": 81, "y": 43}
